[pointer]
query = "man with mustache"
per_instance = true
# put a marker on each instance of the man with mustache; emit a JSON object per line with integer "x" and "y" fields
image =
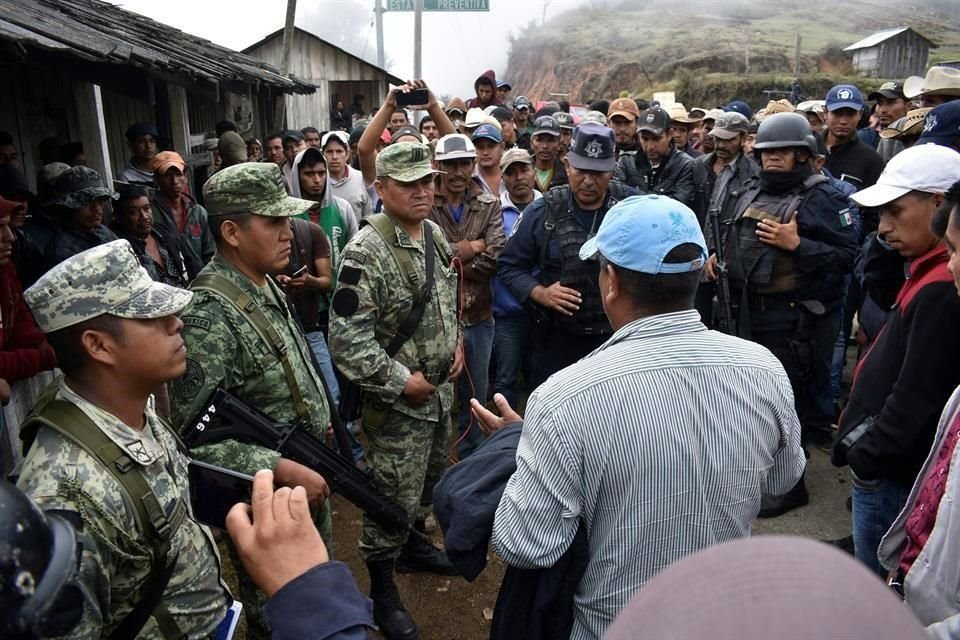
{"x": 541, "y": 263}
{"x": 472, "y": 223}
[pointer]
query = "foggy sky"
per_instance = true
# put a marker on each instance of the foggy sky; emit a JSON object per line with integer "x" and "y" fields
{"x": 457, "y": 47}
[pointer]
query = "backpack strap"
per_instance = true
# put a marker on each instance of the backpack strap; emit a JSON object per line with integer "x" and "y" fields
{"x": 69, "y": 420}
{"x": 385, "y": 228}
{"x": 248, "y": 308}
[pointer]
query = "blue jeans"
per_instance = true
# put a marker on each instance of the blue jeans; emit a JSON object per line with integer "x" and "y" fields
{"x": 318, "y": 345}
{"x": 876, "y": 504}
{"x": 477, "y": 346}
{"x": 511, "y": 350}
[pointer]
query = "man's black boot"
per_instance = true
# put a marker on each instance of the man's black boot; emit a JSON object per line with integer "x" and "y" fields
{"x": 418, "y": 555}
{"x": 773, "y": 506}
{"x": 388, "y": 612}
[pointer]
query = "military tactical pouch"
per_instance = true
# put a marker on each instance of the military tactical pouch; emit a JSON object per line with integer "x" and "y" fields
{"x": 375, "y": 411}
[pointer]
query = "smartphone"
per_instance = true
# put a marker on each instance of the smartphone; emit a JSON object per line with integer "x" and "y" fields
{"x": 214, "y": 491}
{"x": 299, "y": 272}
{"x": 416, "y": 97}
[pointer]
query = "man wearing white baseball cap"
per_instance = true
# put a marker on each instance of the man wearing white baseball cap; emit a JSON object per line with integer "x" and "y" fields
{"x": 906, "y": 377}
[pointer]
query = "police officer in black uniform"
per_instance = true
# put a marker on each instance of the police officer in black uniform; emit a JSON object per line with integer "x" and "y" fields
{"x": 541, "y": 261}
{"x": 789, "y": 242}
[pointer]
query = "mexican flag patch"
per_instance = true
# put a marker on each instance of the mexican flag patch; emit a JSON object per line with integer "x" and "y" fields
{"x": 845, "y": 218}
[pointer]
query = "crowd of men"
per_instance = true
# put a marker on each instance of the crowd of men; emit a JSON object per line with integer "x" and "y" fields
{"x": 670, "y": 293}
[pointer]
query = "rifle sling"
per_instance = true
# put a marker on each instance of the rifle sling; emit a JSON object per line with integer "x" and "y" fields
{"x": 252, "y": 313}
{"x": 384, "y": 226}
{"x": 152, "y": 522}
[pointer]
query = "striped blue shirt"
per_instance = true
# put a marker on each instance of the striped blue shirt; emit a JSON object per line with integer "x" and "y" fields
{"x": 660, "y": 443}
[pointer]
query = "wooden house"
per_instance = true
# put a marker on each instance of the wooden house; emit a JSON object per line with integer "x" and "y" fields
{"x": 337, "y": 74}
{"x": 893, "y": 54}
{"x": 84, "y": 70}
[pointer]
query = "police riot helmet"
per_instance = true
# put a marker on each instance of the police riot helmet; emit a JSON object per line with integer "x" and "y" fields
{"x": 39, "y": 557}
{"x": 784, "y": 130}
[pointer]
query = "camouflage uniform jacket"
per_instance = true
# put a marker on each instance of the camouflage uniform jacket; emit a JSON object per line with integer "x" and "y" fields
{"x": 224, "y": 350}
{"x": 481, "y": 219}
{"x": 376, "y": 300}
{"x": 115, "y": 560}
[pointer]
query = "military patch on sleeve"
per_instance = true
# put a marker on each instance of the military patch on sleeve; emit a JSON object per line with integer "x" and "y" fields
{"x": 345, "y": 302}
{"x": 355, "y": 256}
{"x": 195, "y": 321}
{"x": 350, "y": 275}
{"x": 189, "y": 384}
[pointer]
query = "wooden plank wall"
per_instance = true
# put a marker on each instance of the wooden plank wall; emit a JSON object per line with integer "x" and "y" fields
{"x": 35, "y": 106}
{"x": 319, "y": 63}
{"x": 119, "y": 112}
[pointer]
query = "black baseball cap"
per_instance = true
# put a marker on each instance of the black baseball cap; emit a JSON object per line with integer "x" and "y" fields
{"x": 889, "y": 90}
{"x": 292, "y": 134}
{"x": 522, "y": 102}
{"x": 655, "y": 120}
{"x": 501, "y": 114}
{"x": 546, "y": 125}
{"x": 138, "y": 129}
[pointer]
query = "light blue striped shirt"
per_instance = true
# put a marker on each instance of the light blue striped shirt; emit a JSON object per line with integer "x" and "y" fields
{"x": 661, "y": 442}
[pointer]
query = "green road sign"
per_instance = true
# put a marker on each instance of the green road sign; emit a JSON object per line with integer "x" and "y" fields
{"x": 439, "y": 5}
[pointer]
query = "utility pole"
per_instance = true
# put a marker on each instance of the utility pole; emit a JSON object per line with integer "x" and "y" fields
{"x": 796, "y": 58}
{"x": 417, "y": 37}
{"x": 288, "y": 36}
{"x": 378, "y": 12}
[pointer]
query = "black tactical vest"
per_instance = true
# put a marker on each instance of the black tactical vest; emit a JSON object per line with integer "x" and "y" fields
{"x": 561, "y": 225}
{"x": 763, "y": 269}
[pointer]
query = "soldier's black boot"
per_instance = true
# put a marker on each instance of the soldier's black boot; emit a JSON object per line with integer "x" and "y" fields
{"x": 418, "y": 555}
{"x": 773, "y": 506}
{"x": 388, "y": 612}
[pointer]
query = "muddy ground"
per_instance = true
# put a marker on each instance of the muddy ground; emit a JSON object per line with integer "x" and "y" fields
{"x": 453, "y": 609}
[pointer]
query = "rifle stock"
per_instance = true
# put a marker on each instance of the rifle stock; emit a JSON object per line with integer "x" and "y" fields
{"x": 225, "y": 417}
{"x": 724, "y": 312}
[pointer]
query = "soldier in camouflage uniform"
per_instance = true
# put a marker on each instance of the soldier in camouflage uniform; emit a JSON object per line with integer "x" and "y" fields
{"x": 117, "y": 338}
{"x": 406, "y": 414}
{"x": 249, "y": 217}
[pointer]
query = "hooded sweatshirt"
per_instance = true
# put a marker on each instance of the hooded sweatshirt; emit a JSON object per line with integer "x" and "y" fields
{"x": 475, "y": 102}
{"x": 335, "y": 215}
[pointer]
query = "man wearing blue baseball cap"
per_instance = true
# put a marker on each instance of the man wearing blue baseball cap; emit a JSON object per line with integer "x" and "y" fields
{"x": 664, "y": 439}
{"x": 942, "y": 126}
{"x": 541, "y": 264}
{"x": 488, "y": 142}
{"x": 850, "y": 159}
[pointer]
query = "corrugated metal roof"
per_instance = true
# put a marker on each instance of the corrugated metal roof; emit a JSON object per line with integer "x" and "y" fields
{"x": 880, "y": 36}
{"x": 100, "y": 32}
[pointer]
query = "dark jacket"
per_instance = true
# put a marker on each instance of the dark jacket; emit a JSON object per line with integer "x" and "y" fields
{"x": 558, "y": 179}
{"x": 904, "y": 380}
{"x": 533, "y": 604}
{"x": 744, "y": 170}
{"x": 68, "y": 242}
{"x": 860, "y": 165}
{"x": 322, "y": 604}
{"x": 678, "y": 176}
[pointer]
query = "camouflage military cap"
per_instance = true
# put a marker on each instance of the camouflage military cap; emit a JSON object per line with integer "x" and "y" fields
{"x": 78, "y": 186}
{"x": 252, "y": 187}
{"x": 595, "y": 116}
{"x": 405, "y": 162}
{"x": 105, "y": 279}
